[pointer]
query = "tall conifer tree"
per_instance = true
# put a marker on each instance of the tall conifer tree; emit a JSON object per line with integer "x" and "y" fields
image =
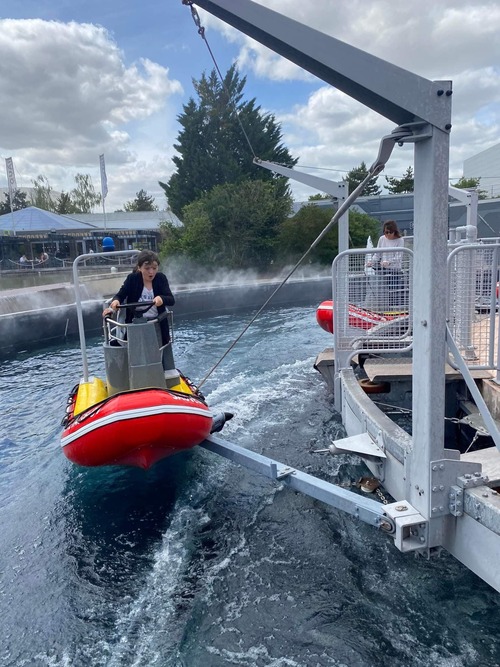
{"x": 212, "y": 147}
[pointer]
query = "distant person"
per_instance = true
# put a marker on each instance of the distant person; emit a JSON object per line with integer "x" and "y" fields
{"x": 390, "y": 263}
{"x": 146, "y": 283}
{"x": 391, "y": 238}
{"x": 23, "y": 260}
{"x": 43, "y": 257}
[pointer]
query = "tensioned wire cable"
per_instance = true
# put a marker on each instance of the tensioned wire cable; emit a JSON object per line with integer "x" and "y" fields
{"x": 201, "y": 32}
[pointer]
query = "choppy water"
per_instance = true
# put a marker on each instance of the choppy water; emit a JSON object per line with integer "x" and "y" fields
{"x": 199, "y": 563}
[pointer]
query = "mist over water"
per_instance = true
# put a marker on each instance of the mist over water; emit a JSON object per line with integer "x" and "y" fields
{"x": 200, "y": 563}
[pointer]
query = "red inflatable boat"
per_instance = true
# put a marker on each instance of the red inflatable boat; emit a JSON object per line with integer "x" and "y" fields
{"x": 358, "y": 317}
{"x": 145, "y": 410}
{"x": 136, "y": 428}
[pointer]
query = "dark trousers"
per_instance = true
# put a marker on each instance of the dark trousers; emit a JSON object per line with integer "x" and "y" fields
{"x": 394, "y": 289}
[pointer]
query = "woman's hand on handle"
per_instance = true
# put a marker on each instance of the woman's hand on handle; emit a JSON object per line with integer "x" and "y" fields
{"x": 111, "y": 308}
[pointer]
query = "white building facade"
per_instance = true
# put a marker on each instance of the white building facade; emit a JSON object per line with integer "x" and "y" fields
{"x": 486, "y": 167}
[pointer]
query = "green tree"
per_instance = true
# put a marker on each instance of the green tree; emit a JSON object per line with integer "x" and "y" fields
{"x": 212, "y": 147}
{"x": 64, "y": 205}
{"x": 357, "y": 175}
{"x": 319, "y": 196}
{"x": 397, "y": 186}
{"x": 84, "y": 196}
{"x": 361, "y": 226}
{"x": 233, "y": 225}
{"x": 471, "y": 184}
{"x": 142, "y": 202}
{"x": 18, "y": 202}
{"x": 298, "y": 233}
{"x": 41, "y": 196}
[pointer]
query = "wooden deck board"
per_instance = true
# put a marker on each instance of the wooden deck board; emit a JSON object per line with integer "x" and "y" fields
{"x": 401, "y": 368}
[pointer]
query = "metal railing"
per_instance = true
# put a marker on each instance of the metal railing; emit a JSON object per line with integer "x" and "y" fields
{"x": 372, "y": 307}
{"x": 372, "y": 295}
{"x": 473, "y": 274}
{"x": 115, "y": 329}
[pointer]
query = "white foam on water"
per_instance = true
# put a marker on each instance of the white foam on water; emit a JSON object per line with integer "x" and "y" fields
{"x": 257, "y": 655}
{"x": 150, "y": 614}
{"x": 248, "y": 392}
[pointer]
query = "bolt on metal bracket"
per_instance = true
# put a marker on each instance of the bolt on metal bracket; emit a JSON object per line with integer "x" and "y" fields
{"x": 456, "y": 497}
{"x": 446, "y": 474}
{"x": 471, "y": 480}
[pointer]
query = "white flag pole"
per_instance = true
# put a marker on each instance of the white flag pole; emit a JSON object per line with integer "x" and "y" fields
{"x": 11, "y": 180}
{"x": 104, "y": 188}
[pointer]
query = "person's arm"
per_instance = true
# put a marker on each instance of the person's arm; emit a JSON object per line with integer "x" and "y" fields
{"x": 162, "y": 290}
{"x": 119, "y": 297}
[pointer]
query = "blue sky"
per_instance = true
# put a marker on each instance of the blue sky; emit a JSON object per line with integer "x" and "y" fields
{"x": 78, "y": 79}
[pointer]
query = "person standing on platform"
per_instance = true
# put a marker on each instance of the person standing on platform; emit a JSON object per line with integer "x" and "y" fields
{"x": 389, "y": 265}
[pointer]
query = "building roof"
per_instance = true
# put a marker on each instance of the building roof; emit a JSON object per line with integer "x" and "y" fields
{"x": 128, "y": 220}
{"x": 33, "y": 219}
{"x": 400, "y": 208}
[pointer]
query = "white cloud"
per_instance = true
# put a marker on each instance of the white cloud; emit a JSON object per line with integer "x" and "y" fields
{"x": 451, "y": 39}
{"x": 66, "y": 96}
{"x": 437, "y": 40}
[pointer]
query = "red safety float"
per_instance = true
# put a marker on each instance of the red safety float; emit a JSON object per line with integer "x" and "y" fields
{"x": 360, "y": 318}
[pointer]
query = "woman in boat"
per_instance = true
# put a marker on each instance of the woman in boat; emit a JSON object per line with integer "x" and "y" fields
{"x": 389, "y": 263}
{"x": 146, "y": 283}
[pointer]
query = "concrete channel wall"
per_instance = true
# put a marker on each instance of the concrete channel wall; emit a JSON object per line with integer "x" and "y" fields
{"x": 35, "y": 318}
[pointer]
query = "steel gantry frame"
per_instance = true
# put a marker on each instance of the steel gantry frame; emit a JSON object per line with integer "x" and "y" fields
{"x": 421, "y": 110}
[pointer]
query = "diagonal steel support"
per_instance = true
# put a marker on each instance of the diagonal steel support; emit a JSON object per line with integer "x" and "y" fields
{"x": 367, "y": 510}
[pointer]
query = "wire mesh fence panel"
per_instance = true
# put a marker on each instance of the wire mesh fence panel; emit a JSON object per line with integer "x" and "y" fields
{"x": 372, "y": 291}
{"x": 473, "y": 274}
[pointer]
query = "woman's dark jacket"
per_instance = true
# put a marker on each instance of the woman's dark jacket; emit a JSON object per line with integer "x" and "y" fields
{"x": 131, "y": 290}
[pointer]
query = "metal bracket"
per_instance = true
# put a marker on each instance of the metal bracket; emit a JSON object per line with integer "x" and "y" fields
{"x": 444, "y": 476}
{"x": 282, "y": 472}
{"x": 411, "y": 531}
{"x": 470, "y": 480}
{"x": 362, "y": 445}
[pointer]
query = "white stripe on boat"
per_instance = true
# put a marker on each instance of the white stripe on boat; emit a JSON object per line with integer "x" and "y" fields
{"x": 124, "y": 415}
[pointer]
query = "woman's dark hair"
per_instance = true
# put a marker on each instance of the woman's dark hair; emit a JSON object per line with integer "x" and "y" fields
{"x": 146, "y": 257}
{"x": 391, "y": 226}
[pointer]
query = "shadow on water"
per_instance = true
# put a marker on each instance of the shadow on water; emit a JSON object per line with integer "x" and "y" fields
{"x": 113, "y": 509}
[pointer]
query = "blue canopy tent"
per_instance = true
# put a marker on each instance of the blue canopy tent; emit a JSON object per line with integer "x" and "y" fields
{"x": 33, "y": 220}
